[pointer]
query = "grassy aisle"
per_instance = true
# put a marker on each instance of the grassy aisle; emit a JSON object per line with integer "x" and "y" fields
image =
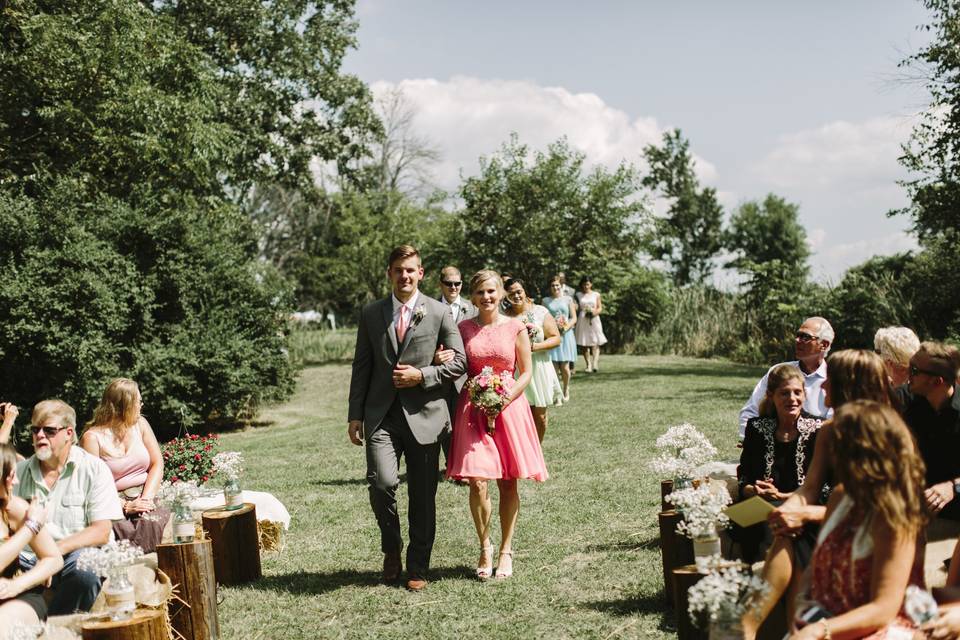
{"x": 587, "y": 562}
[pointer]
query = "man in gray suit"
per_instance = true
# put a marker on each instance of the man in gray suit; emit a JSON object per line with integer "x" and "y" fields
{"x": 451, "y": 288}
{"x": 398, "y": 402}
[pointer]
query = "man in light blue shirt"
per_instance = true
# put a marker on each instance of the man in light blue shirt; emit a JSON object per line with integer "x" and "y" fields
{"x": 81, "y": 499}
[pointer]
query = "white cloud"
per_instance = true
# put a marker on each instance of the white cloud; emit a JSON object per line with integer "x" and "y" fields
{"x": 471, "y": 117}
{"x": 832, "y": 261}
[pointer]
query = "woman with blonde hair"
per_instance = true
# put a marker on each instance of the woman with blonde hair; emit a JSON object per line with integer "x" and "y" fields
{"x": 896, "y": 345}
{"x": 22, "y": 524}
{"x": 495, "y": 445}
{"x": 120, "y": 435}
{"x": 866, "y": 551}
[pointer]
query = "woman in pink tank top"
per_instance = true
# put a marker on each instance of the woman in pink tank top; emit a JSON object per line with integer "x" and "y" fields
{"x": 123, "y": 439}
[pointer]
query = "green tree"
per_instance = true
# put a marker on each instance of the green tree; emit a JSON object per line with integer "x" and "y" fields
{"x": 128, "y": 134}
{"x": 533, "y": 213}
{"x": 760, "y": 232}
{"x": 689, "y": 237}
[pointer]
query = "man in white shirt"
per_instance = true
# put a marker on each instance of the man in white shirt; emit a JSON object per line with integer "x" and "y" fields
{"x": 813, "y": 341}
{"x": 81, "y": 499}
{"x": 451, "y": 286}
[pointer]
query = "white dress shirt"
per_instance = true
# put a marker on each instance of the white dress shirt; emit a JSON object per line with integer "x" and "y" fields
{"x": 814, "y": 401}
{"x": 457, "y": 308}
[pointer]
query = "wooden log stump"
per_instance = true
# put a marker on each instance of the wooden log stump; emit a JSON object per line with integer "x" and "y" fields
{"x": 683, "y": 578}
{"x": 666, "y": 488}
{"x": 675, "y": 549}
{"x": 236, "y": 543}
{"x": 146, "y": 624}
{"x": 190, "y": 569}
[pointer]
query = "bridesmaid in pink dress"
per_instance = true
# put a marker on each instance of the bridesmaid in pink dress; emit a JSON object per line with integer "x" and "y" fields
{"x": 866, "y": 554}
{"x": 513, "y": 451}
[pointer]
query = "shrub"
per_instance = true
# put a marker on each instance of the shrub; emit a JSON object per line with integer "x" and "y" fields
{"x": 189, "y": 458}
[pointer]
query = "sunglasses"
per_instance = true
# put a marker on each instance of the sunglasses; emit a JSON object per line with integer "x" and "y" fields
{"x": 803, "y": 336}
{"x": 47, "y": 431}
{"x": 451, "y": 283}
{"x": 915, "y": 371}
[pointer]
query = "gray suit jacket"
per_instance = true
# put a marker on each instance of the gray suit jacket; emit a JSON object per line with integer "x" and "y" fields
{"x": 377, "y": 353}
{"x": 469, "y": 310}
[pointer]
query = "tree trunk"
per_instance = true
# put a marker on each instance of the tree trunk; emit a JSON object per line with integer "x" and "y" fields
{"x": 236, "y": 544}
{"x": 146, "y": 624}
{"x": 675, "y": 550}
{"x": 190, "y": 568}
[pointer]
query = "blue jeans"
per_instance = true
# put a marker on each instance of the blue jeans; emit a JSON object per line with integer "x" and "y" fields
{"x": 74, "y": 590}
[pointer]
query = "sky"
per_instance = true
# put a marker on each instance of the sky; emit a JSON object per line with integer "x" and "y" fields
{"x": 804, "y": 100}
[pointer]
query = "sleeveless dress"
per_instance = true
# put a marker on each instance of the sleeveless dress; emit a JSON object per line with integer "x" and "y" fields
{"x": 567, "y": 349}
{"x": 32, "y": 597}
{"x": 129, "y": 470}
{"x": 842, "y": 565}
{"x": 513, "y": 451}
{"x": 589, "y": 330}
{"x": 544, "y": 389}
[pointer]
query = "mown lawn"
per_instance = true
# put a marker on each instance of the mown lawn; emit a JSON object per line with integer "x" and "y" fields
{"x": 587, "y": 563}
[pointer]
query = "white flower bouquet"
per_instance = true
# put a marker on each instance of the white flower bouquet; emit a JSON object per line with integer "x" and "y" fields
{"x": 228, "y": 465}
{"x": 682, "y": 450}
{"x": 178, "y": 493}
{"x": 725, "y": 596}
{"x": 702, "y": 509}
{"x": 105, "y": 560}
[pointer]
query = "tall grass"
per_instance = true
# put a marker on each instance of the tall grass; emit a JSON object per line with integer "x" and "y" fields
{"x": 698, "y": 322}
{"x": 309, "y": 346}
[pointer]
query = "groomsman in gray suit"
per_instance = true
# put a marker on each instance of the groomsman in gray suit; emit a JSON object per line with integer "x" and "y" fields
{"x": 451, "y": 287}
{"x": 398, "y": 405}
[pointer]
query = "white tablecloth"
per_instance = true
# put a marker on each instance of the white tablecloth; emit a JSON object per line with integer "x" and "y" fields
{"x": 268, "y": 507}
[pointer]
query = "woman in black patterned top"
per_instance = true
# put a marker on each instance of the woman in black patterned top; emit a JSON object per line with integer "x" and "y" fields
{"x": 777, "y": 449}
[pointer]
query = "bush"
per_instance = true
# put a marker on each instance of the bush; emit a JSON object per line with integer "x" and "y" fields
{"x": 696, "y": 321}
{"x": 633, "y": 301}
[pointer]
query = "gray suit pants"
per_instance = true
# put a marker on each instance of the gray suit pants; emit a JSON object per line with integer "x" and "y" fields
{"x": 384, "y": 448}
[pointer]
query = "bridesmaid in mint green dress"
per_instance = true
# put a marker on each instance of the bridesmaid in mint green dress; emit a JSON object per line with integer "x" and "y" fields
{"x": 563, "y": 309}
{"x": 544, "y": 389}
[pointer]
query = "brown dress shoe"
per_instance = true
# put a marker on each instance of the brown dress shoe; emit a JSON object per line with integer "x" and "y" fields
{"x": 416, "y": 584}
{"x": 392, "y": 567}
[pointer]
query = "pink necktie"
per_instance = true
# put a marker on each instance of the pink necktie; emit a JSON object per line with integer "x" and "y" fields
{"x": 402, "y": 323}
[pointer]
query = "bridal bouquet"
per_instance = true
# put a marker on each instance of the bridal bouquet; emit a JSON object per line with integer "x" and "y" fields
{"x": 683, "y": 449}
{"x": 534, "y": 330}
{"x": 588, "y": 309}
{"x": 562, "y": 323}
{"x": 722, "y": 598}
{"x": 489, "y": 392}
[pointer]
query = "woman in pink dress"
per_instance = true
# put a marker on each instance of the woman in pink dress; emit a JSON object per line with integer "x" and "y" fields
{"x": 866, "y": 552}
{"x": 513, "y": 451}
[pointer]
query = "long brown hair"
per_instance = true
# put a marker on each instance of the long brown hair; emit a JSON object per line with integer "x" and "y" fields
{"x": 119, "y": 407}
{"x": 8, "y": 462}
{"x": 856, "y": 374}
{"x": 874, "y": 456}
{"x": 778, "y": 376}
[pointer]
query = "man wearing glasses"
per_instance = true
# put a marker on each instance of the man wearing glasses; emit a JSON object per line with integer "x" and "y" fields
{"x": 811, "y": 346}
{"x": 81, "y": 499}
{"x": 931, "y": 408}
{"x": 451, "y": 286}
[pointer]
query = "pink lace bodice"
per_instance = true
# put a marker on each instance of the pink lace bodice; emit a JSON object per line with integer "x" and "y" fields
{"x": 491, "y": 346}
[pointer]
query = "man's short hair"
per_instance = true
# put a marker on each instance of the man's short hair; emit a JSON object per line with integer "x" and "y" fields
{"x": 57, "y": 410}
{"x": 944, "y": 357}
{"x": 824, "y": 330}
{"x": 403, "y": 252}
{"x": 447, "y": 269}
{"x": 896, "y": 344}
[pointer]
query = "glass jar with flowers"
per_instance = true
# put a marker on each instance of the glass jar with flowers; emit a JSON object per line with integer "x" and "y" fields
{"x": 682, "y": 450}
{"x": 702, "y": 508}
{"x": 721, "y": 599}
{"x": 178, "y": 497}
{"x": 112, "y": 562}
{"x": 229, "y": 466}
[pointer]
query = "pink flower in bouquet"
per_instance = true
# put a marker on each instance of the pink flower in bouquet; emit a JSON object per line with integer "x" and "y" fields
{"x": 489, "y": 392}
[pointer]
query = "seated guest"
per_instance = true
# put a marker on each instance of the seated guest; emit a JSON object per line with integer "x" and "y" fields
{"x": 813, "y": 341}
{"x": 946, "y": 626}
{"x": 931, "y": 408}
{"x": 80, "y": 497}
{"x": 896, "y": 345}
{"x": 21, "y": 524}
{"x": 776, "y": 453}
{"x": 852, "y": 374}
{"x": 122, "y": 438}
{"x": 865, "y": 553}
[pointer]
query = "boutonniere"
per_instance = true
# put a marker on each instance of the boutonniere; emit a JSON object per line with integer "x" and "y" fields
{"x": 419, "y": 312}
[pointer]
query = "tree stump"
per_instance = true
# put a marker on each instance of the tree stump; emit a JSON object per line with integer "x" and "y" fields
{"x": 190, "y": 569}
{"x": 683, "y": 578}
{"x": 146, "y": 624}
{"x": 666, "y": 488}
{"x": 675, "y": 549}
{"x": 236, "y": 543}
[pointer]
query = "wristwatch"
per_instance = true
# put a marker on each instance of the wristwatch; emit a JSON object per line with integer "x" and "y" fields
{"x": 956, "y": 487}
